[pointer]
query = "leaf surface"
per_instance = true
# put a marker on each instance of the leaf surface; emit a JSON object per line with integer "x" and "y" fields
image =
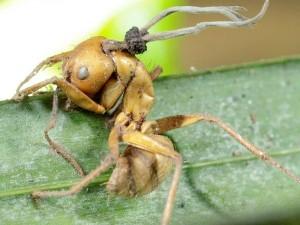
{"x": 221, "y": 181}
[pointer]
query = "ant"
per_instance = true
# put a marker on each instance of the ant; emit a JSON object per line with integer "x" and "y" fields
{"x": 99, "y": 73}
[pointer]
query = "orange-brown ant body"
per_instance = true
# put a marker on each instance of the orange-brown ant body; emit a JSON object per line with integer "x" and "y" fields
{"x": 100, "y": 72}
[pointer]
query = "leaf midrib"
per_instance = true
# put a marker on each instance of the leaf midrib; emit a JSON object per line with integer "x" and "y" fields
{"x": 54, "y": 185}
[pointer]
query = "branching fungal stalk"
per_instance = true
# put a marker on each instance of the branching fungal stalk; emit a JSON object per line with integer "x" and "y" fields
{"x": 136, "y": 39}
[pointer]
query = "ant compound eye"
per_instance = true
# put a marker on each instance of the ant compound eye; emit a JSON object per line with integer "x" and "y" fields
{"x": 83, "y": 73}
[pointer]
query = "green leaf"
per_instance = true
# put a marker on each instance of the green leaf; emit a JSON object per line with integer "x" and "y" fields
{"x": 221, "y": 181}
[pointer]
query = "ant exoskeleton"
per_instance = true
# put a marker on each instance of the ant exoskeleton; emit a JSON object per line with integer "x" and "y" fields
{"x": 98, "y": 73}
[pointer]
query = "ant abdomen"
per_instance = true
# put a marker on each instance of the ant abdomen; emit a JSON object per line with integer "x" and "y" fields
{"x": 138, "y": 172}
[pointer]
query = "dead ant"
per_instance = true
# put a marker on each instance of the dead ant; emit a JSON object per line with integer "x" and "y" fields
{"x": 99, "y": 72}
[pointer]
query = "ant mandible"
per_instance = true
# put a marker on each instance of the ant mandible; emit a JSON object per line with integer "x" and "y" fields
{"x": 100, "y": 72}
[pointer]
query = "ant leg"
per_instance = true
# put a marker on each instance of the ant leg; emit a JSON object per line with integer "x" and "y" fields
{"x": 172, "y": 192}
{"x": 72, "y": 92}
{"x": 104, "y": 166}
{"x": 27, "y": 91}
{"x": 153, "y": 144}
{"x": 109, "y": 160}
{"x": 47, "y": 62}
{"x": 179, "y": 121}
{"x": 55, "y": 147}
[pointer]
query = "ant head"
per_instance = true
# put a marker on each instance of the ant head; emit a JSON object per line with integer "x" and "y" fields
{"x": 88, "y": 68}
